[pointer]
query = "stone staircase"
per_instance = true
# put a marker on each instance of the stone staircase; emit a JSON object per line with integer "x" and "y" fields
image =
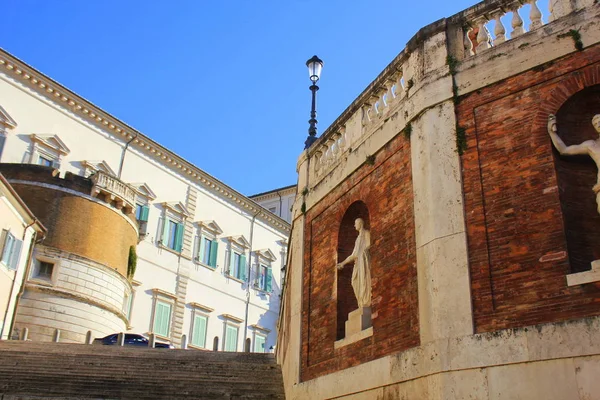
{"x": 41, "y": 370}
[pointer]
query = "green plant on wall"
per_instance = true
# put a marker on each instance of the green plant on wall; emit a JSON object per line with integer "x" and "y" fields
{"x": 131, "y": 262}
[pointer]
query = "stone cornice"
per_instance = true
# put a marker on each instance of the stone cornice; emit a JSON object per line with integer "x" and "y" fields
{"x": 86, "y": 110}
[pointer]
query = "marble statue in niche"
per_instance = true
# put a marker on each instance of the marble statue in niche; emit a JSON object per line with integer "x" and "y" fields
{"x": 360, "y": 319}
{"x": 589, "y": 147}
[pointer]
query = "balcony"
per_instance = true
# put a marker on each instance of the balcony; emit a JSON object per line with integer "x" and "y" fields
{"x": 113, "y": 191}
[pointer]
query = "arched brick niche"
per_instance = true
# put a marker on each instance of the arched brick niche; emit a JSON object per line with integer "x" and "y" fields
{"x": 347, "y": 234}
{"x": 576, "y": 176}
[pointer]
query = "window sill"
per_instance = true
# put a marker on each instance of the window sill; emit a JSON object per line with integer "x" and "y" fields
{"x": 170, "y": 250}
{"x": 205, "y": 265}
{"x": 262, "y": 291}
{"x": 234, "y": 278}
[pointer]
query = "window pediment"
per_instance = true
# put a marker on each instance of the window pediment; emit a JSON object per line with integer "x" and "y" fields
{"x": 266, "y": 254}
{"x": 52, "y": 142}
{"x": 6, "y": 120}
{"x": 143, "y": 190}
{"x": 211, "y": 227}
{"x": 177, "y": 207}
{"x": 240, "y": 241}
{"x": 95, "y": 166}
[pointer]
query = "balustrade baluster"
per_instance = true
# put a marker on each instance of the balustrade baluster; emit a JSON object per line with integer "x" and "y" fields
{"x": 483, "y": 36}
{"x": 343, "y": 141}
{"x": 468, "y": 43}
{"x": 499, "y": 29}
{"x": 535, "y": 15}
{"x": 517, "y": 23}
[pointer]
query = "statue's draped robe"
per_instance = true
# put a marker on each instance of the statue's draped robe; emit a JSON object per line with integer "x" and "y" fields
{"x": 361, "y": 275}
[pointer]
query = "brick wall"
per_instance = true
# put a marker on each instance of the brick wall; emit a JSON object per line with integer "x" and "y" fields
{"x": 384, "y": 195}
{"x": 75, "y": 224}
{"x": 517, "y": 244}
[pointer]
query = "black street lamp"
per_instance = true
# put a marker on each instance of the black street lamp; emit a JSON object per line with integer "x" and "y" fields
{"x": 315, "y": 65}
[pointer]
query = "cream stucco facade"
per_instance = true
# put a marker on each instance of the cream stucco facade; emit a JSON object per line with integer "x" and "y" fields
{"x": 179, "y": 286}
{"x": 20, "y": 229}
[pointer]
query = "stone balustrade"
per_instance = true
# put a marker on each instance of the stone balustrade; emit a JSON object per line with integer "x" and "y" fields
{"x": 483, "y": 26}
{"x": 379, "y": 103}
{"x": 114, "y": 190}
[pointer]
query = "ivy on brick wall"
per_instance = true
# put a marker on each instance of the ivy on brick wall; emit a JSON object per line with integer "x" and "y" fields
{"x": 131, "y": 262}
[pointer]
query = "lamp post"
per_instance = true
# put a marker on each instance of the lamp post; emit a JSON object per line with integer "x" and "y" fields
{"x": 315, "y": 65}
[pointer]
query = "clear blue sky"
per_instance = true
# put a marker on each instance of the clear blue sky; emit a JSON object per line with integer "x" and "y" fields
{"x": 222, "y": 83}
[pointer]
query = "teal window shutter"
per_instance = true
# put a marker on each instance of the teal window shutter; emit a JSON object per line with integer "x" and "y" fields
{"x": 16, "y": 254}
{"x": 178, "y": 237}
{"x": 242, "y": 268}
{"x": 231, "y": 339}
{"x": 259, "y": 344}
{"x": 199, "y": 335}
{"x": 269, "y": 278}
{"x": 162, "y": 318}
{"x": 144, "y": 212}
{"x": 213, "y": 254}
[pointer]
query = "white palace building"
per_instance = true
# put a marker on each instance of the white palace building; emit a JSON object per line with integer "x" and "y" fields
{"x": 209, "y": 260}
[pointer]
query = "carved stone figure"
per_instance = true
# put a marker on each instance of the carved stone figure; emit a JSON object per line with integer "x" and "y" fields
{"x": 361, "y": 275}
{"x": 589, "y": 147}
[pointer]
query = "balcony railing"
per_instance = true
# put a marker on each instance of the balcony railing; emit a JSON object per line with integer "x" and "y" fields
{"x": 113, "y": 190}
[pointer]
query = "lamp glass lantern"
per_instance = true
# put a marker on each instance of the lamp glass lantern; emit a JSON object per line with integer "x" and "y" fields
{"x": 315, "y": 65}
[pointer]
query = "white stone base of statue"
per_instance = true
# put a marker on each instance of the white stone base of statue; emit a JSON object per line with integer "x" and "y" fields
{"x": 358, "y": 327}
{"x": 580, "y": 278}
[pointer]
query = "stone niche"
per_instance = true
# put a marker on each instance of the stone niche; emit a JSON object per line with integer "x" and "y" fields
{"x": 346, "y": 300}
{"x": 576, "y": 177}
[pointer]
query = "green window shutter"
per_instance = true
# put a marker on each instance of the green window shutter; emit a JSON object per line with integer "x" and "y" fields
{"x": 16, "y": 254}
{"x": 165, "y": 232}
{"x": 199, "y": 335}
{"x": 162, "y": 318}
{"x": 178, "y": 237}
{"x": 259, "y": 344}
{"x": 201, "y": 251}
{"x": 243, "y": 268}
{"x": 269, "y": 278}
{"x": 231, "y": 339}
{"x": 213, "y": 254}
{"x": 144, "y": 213}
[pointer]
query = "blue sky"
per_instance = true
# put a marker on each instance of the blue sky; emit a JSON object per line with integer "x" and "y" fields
{"x": 222, "y": 83}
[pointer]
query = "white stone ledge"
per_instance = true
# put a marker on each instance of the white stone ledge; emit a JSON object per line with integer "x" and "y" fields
{"x": 581, "y": 278}
{"x": 554, "y": 341}
{"x": 354, "y": 338}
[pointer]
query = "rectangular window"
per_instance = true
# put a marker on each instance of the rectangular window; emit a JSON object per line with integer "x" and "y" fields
{"x": 162, "y": 318}
{"x": 259, "y": 344}
{"x": 199, "y": 331}
{"x": 264, "y": 278}
{"x": 45, "y": 161}
{"x": 231, "y": 338}
{"x": 45, "y": 270}
{"x": 11, "y": 250}
{"x": 141, "y": 212}
{"x": 172, "y": 236}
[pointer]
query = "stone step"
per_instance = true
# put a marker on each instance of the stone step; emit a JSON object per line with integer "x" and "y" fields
{"x": 30, "y": 370}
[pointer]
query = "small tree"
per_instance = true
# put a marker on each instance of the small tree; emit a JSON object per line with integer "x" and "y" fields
{"x": 131, "y": 262}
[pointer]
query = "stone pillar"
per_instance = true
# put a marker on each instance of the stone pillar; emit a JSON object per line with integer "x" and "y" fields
{"x": 442, "y": 262}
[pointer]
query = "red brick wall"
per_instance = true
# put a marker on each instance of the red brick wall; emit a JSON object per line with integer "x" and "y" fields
{"x": 385, "y": 188}
{"x": 517, "y": 243}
